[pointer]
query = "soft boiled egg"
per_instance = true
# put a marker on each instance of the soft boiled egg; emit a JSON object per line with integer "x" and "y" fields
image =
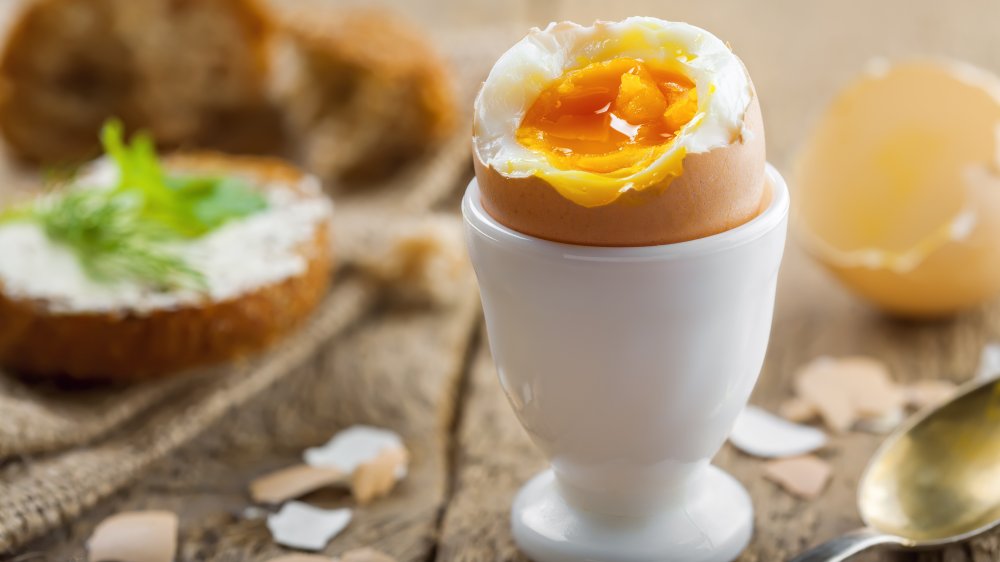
{"x": 630, "y": 133}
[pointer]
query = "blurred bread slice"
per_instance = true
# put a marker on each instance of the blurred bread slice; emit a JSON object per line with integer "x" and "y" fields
{"x": 192, "y": 72}
{"x": 364, "y": 92}
{"x": 42, "y": 336}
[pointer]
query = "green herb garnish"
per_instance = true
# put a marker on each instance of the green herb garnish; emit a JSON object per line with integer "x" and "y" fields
{"x": 112, "y": 241}
{"x": 126, "y": 231}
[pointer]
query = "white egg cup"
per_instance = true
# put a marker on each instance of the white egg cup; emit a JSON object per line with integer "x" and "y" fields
{"x": 628, "y": 367}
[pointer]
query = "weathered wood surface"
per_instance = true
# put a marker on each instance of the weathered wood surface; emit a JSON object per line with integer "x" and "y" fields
{"x": 455, "y": 504}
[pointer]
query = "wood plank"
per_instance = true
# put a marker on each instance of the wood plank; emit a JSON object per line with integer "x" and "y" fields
{"x": 495, "y": 457}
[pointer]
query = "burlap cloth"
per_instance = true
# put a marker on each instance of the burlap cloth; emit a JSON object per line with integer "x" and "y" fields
{"x": 63, "y": 450}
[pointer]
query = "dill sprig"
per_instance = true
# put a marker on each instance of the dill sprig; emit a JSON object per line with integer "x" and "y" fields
{"x": 112, "y": 241}
{"x": 128, "y": 231}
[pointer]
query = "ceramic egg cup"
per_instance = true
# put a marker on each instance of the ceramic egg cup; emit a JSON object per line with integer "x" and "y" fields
{"x": 628, "y": 366}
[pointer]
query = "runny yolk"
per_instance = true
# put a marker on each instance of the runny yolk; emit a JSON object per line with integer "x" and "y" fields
{"x": 609, "y": 115}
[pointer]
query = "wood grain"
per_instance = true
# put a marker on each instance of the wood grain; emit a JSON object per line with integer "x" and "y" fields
{"x": 798, "y": 54}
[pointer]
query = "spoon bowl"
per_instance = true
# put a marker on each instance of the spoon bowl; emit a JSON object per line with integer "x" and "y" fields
{"x": 935, "y": 480}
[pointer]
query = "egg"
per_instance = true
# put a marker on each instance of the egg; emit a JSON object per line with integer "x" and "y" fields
{"x": 897, "y": 191}
{"x": 632, "y": 133}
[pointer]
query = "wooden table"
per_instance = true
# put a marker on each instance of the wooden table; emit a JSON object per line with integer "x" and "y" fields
{"x": 470, "y": 455}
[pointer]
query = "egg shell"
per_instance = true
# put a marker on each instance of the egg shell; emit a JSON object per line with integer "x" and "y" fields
{"x": 292, "y": 482}
{"x": 898, "y": 187}
{"x": 135, "y": 536}
{"x": 805, "y": 477}
{"x": 716, "y": 191}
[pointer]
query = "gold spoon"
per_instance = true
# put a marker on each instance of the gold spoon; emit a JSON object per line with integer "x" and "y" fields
{"x": 935, "y": 480}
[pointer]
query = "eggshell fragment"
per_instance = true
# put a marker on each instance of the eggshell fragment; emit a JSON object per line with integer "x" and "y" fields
{"x": 302, "y": 526}
{"x": 805, "y": 477}
{"x": 869, "y": 385}
{"x": 847, "y": 389}
{"x": 797, "y": 410}
{"x": 365, "y": 555}
{"x": 293, "y": 482}
{"x": 927, "y": 393}
{"x": 898, "y": 189}
{"x": 353, "y": 447}
{"x": 881, "y": 424}
{"x": 136, "y": 536}
{"x": 762, "y": 434}
{"x": 377, "y": 477}
{"x": 816, "y": 385}
{"x": 716, "y": 191}
{"x": 252, "y": 512}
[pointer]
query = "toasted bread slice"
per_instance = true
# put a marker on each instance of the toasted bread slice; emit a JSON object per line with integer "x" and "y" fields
{"x": 184, "y": 71}
{"x": 264, "y": 275}
{"x": 364, "y": 92}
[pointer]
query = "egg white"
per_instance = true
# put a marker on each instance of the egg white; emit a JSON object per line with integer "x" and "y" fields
{"x": 544, "y": 55}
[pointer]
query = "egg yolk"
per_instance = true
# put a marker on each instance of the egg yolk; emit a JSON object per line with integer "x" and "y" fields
{"x": 609, "y": 116}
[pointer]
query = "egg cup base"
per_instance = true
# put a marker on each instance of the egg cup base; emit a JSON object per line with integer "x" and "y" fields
{"x": 713, "y": 522}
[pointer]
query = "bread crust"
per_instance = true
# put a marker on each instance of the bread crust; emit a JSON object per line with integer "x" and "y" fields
{"x": 69, "y": 65}
{"x": 129, "y": 346}
{"x": 366, "y": 74}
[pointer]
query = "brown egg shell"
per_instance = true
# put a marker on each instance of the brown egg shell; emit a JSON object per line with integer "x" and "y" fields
{"x": 717, "y": 190}
{"x": 932, "y": 290}
{"x": 845, "y": 182}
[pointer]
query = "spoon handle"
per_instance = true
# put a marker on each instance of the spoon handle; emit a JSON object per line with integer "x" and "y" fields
{"x": 845, "y": 546}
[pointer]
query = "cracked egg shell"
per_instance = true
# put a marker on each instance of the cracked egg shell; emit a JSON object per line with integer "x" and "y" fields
{"x": 718, "y": 184}
{"x": 897, "y": 191}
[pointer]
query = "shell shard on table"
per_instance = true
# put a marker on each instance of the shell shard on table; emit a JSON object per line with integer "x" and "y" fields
{"x": 352, "y": 447}
{"x": 798, "y": 410}
{"x": 805, "y": 477}
{"x": 365, "y": 555}
{"x": 881, "y": 424}
{"x": 762, "y": 434}
{"x": 302, "y": 526}
{"x": 849, "y": 389}
{"x": 135, "y": 536}
{"x": 372, "y": 460}
{"x": 377, "y": 477}
{"x": 293, "y": 482}
{"x": 928, "y": 393}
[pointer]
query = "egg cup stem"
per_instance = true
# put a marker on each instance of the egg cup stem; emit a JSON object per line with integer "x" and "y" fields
{"x": 628, "y": 366}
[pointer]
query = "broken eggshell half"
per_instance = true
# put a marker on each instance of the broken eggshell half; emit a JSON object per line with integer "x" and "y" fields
{"x": 898, "y": 187}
